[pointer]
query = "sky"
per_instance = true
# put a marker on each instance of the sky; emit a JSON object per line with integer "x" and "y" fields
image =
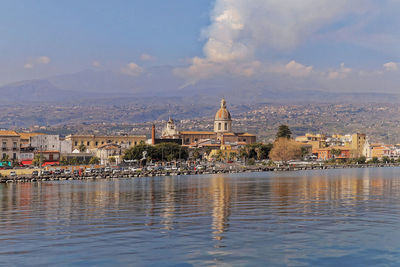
{"x": 321, "y": 44}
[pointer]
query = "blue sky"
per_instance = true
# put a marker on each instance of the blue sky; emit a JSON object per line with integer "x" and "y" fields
{"x": 76, "y": 33}
{"x": 335, "y": 43}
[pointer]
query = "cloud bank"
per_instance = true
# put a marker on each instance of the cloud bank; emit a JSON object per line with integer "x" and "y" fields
{"x": 245, "y": 37}
{"x": 42, "y": 60}
{"x": 132, "y": 69}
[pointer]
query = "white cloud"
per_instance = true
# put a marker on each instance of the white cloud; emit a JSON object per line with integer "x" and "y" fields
{"x": 131, "y": 69}
{"x": 241, "y": 28}
{"x": 28, "y": 66}
{"x": 147, "y": 57}
{"x": 96, "y": 64}
{"x": 42, "y": 60}
{"x": 296, "y": 69}
{"x": 340, "y": 73}
{"x": 391, "y": 66}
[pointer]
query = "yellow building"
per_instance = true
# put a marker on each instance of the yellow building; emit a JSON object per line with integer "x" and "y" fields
{"x": 10, "y": 145}
{"x": 226, "y": 152}
{"x": 92, "y": 142}
{"x": 357, "y": 144}
{"x": 317, "y": 141}
{"x": 222, "y": 130}
{"x": 379, "y": 151}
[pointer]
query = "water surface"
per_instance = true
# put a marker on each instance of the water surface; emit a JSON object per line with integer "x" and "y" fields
{"x": 345, "y": 217}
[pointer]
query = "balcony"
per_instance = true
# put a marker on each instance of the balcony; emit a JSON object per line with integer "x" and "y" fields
{"x": 4, "y": 149}
{"x": 15, "y": 149}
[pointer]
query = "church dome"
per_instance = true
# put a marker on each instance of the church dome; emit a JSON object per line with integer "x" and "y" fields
{"x": 223, "y": 114}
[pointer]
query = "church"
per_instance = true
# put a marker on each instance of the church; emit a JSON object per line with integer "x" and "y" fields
{"x": 222, "y": 132}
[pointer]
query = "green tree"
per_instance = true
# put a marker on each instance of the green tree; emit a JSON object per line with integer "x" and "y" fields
{"x": 72, "y": 161}
{"x": 37, "y": 160}
{"x": 258, "y": 151}
{"x": 171, "y": 151}
{"x": 283, "y": 132}
{"x": 361, "y": 160}
{"x": 196, "y": 154}
{"x": 375, "y": 160}
{"x": 94, "y": 160}
{"x": 385, "y": 159}
{"x": 63, "y": 161}
{"x": 220, "y": 155}
{"x": 243, "y": 153}
{"x": 162, "y": 151}
{"x": 336, "y": 152}
{"x": 82, "y": 148}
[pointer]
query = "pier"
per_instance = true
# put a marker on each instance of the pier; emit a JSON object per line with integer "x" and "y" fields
{"x": 136, "y": 174}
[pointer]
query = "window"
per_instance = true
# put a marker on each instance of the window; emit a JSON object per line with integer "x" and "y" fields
{"x": 88, "y": 143}
{"x": 219, "y": 126}
{"x": 14, "y": 155}
{"x": 4, "y": 143}
{"x": 102, "y": 142}
{"x": 14, "y": 144}
{"x": 4, "y": 155}
{"x": 226, "y": 126}
{"x": 76, "y": 143}
{"x": 97, "y": 143}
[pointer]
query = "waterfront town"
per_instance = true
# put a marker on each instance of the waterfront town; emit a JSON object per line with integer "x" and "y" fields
{"x": 35, "y": 149}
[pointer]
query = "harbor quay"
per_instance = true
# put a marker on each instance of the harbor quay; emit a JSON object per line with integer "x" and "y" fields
{"x": 37, "y": 175}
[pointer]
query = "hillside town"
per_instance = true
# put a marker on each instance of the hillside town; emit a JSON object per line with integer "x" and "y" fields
{"x": 28, "y": 149}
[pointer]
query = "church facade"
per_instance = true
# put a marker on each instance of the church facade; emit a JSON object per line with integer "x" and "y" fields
{"x": 222, "y": 132}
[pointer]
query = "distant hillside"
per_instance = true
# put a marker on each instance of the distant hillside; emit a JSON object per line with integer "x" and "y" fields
{"x": 159, "y": 85}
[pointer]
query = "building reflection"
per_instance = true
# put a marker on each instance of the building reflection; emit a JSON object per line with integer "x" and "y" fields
{"x": 159, "y": 203}
{"x": 168, "y": 212}
{"x": 323, "y": 189}
{"x": 220, "y": 189}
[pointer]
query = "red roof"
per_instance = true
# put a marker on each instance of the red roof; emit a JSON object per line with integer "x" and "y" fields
{"x": 50, "y": 163}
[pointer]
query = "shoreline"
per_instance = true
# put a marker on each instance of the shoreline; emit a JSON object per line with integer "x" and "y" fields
{"x": 131, "y": 174}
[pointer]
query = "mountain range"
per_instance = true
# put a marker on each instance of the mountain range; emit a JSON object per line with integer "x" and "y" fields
{"x": 159, "y": 84}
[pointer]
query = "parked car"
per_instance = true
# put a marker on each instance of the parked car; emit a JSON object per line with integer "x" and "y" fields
{"x": 35, "y": 173}
{"x": 45, "y": 172}
{"x": 88, "y": 170}
{"x": 116, "y": 171}
{"x": 13, "y": 174}
{"x": 107, "y": 169}
{"x": 57, "y": 172}
{"x": 67, "y": 172}
{"x": 135, "y": 169}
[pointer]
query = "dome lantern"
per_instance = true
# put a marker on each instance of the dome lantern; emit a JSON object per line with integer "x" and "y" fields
{"x": 223, "y": 121}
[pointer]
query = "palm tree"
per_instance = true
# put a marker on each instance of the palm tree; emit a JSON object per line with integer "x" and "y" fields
{"x": 82, "y": 148}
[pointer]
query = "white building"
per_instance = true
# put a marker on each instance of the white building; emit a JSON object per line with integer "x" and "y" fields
{"x": 170, "y": 131}
{"x": 51, "y": 143}
{"x": 109, "y": 154}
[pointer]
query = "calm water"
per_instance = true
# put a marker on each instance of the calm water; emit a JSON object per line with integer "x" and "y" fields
{"x": 313, "y": 218}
